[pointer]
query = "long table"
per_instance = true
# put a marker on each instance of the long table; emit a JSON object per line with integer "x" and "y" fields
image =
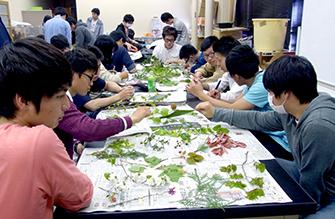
{"x": 301, "y": 203}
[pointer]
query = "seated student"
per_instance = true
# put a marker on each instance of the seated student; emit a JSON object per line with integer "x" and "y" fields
{"x": 221, "y": 49}
{"x": 93, "y": 106}
{"x": 104, "y": 74}
{"x": 36, "y": 172}
{"x": 308, "y": 120}
{"x": 107, "y": 46}
{"x": 183, "y": 37}
{"x": 127, "y": 22}
{"x": 243, "y": 66}
{"x": 121, "y": 57}
{"x": 211, "y": 71}
{"x": 193, "y": 60}
{"x": 60, "y": 42}
{"x": 78, "y": 125}
{"x": 167, "y": 51}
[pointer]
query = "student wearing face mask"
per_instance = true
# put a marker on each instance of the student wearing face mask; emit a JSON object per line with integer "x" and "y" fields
{"x": 243, "y": 66}
{"x": 128, "y": 21}
{"x": 308, "y": 120}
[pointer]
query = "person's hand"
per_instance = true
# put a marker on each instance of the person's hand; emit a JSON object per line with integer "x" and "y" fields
{"x": 195, "y": 87}
{"x": 131, "y": 48}
{"x": 206, "y": 108}
{"x": 79, "y": 148}
{"x": 123, "y": 75}
{"x": 126, "y": 93}
{"x": 140, "y": 113}
{"x": 198, "y": 75}
{"x": 214, "y": 93}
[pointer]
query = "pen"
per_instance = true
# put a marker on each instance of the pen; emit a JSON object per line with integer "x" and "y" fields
{"x": 217, "y": 86}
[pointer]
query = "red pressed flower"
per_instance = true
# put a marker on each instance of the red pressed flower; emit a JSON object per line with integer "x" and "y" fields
{"x": 172, "y": 191}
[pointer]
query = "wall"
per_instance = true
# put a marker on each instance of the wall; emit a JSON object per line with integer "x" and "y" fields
{"x": 112, "y": 12}
{"x": 317, "y": 38}
{"x": 16, "y": 6}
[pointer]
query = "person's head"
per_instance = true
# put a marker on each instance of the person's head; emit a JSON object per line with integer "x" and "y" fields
{"x": 34, "y": 77}
{"x": 97, "y": 52}
{"x": 60, "y": 11}
{"x": 291, "y": 75}
{"x": 167, "y": 18}
{"x": 128, "y": 20}
{"x": 188, "y": 53}
{"x": 73, "y": 22}
{"x": 221, "y": 49}
{"x": 107, "y": 46}
{"x": 46, "y": 18}
{"x": 119, "y": 37}
{"x": 84, "y": 66}
{"x": 169, "y": 36}
{"x": 207, "y": 49}
{"x": 95, "y": 13}
{"x": 60, "y": 42}
{"x": 242, "y": 63}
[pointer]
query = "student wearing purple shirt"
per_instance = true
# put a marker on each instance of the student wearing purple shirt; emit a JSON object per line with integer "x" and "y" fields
{"x": 78, "y": 125}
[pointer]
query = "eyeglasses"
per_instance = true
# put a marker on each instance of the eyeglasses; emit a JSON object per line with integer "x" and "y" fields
{"x": 88, "y": 76}
{"x": 169, "y": 40}
{"x": 211, "y": 54}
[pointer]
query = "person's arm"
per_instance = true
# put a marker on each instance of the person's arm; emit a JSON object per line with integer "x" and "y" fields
{"x": 62, "y": 180}
{"x": 80, "y": 38}
{"x": 84, "y": 128}
{"x": 101, "y": 29}
{"x": 98, "y": 103}
{"x": 112, "y": 87}
{"x": 245, "y": 119}
{"x": 68, "y": 33}
{"x": 128, "y": 62}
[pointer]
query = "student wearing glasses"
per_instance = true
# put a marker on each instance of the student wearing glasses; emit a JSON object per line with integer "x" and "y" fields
{"x": 78, "y": 125}
{"x": 167, "y": 51}
{"x": 211, "y": 71}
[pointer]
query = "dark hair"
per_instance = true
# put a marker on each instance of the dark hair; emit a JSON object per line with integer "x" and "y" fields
{"x": 292, "y": 73}
{"x": 96, "y": 51}
{"x": 31, "y": 68}
{"x": 71, "y": 20}
{"x": 165, "y": 17}
{"x": 225, "y": 45}
{"x": 107, "y": 46}
{"x": 117, "y": 35}
{"x": 128, "y": 18}
{"x": 186, "y": 51}
{"x": 131, "y": 33}
{"x": 96, "y": 10}
{"x": 60, "y": 42}
{"x": 170, "y": 31}
{"x": 60, "y": 11}
{"x": 242, "y": 61}
{"x": 82, "y": 60}
{"x": 208, "y": 42}
{"x": 46, "y": 18}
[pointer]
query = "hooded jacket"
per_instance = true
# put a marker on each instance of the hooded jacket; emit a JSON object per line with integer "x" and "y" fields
{"x": 312, "y": 140}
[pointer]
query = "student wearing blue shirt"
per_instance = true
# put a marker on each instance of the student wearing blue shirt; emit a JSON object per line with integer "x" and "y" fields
{"x": 58, "y": 25}
{"x": 243, "y": 66}
{"x": 121, "y": 56}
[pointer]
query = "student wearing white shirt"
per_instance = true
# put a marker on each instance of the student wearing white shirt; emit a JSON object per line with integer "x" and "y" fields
{"x": 167, "y": 51}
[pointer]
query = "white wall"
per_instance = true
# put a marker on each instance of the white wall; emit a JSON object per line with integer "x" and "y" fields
{"x": 317, "y": 38}
{"x": 112, "y": 12}
{"x": 16, "y": 6}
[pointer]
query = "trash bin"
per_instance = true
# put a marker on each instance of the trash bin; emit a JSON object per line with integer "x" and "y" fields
{"x": 269, "y": 34}
{"x": 226, "y": 13}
